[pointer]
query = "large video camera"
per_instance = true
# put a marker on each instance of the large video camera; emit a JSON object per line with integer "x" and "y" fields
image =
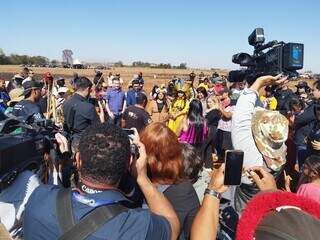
{"x": 22, "y": 146}
{"x": 280, "y": 58}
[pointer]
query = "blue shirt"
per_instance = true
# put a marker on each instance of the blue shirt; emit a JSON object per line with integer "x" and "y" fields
{"x": 40, "y": 218}
{"x": 132, "y": 97}
{"x": 26, "y": 108}
{"x": 115, "y": 99}
{"x": 5, "y": 98}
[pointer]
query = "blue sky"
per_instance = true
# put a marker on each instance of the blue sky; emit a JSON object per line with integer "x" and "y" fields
{"x": 201, "y": 33}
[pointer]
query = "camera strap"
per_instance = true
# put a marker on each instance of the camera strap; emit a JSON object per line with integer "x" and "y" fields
{"x": 88, "y": 224}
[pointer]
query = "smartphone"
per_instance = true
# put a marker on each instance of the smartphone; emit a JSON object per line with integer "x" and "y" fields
{"x": 128, "y": 131}
{"x": 233, "y": 167}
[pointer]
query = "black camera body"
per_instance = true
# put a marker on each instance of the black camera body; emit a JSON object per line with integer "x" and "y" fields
{"x": 24, "y": 150}
{"x": 280, "y": 58}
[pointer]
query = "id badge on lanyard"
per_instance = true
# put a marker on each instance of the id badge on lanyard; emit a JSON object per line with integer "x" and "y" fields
{"x": 90, "y": 201}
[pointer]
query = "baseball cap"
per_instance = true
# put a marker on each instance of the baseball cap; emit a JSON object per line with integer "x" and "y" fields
{"x": 302, "y": 84}
{"x": 29, "y": 86}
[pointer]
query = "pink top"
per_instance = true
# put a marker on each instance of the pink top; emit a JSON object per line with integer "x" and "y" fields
{"x": 310, "y": 190}
{"x": 189, "y": 135}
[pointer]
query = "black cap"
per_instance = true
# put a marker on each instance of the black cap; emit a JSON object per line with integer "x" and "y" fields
{"x": 135, "y": 81}
{"x": 289, "y": 223}
{"x": 302, "y": 84}
{"x": 30, "y": 85}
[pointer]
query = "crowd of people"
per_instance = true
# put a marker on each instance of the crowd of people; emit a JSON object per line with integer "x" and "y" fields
{"x": 133, "y": 164}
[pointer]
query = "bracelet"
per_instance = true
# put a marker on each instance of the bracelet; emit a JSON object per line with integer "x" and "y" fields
{"x": 213, "y": 193}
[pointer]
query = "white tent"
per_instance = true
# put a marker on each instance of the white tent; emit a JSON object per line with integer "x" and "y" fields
{"x": 76, "y": 62}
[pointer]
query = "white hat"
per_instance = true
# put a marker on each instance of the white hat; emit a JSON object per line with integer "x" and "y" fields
{"x": 62, "y": 89}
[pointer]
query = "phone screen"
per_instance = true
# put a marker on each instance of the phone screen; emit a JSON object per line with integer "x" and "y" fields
{"x": 128, "y": 131}
{"x": 233, "y": 167}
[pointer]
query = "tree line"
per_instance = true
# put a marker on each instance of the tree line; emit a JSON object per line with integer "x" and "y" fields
{"x": 150, "y": 65}
{"x": 15, "y": 59}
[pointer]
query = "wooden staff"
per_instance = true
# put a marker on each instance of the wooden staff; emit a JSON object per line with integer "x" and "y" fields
{"x": 51, "y": 103}
{"x": 48, "y": 99}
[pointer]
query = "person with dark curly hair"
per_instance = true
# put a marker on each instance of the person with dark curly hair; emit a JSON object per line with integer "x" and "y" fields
{"x": 104, "y": 158}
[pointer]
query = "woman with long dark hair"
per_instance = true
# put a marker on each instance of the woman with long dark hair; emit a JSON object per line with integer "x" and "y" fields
{"x": 154, "y": 92}
{"x": 202, "y": 96}
{"x": 158, "y": 108}
{"x": 193, "y": 128}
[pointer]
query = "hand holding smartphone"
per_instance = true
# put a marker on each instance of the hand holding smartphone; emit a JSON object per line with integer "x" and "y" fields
{"x": 133, "y": 137}
{"x": 128, "y": 131}
{"x": 233, "y": 167}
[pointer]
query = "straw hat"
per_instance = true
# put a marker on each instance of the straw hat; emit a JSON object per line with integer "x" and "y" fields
{"x": 270, "y": 131}
{"x": 16, "y": 95}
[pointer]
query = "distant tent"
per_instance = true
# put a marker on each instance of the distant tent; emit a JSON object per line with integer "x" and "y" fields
{"x": 77, "y": 64}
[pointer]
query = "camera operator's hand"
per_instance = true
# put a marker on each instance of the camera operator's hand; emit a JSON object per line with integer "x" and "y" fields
{"x": 217, "y": 180}
{"x": 62, "y": 142}
{"x": 135, "y": 137}
{"x": 315, "y": 145}
{"x": 139, "y": 166}
{"x": 268, "y": 80}
{"x": 264, "y": 180}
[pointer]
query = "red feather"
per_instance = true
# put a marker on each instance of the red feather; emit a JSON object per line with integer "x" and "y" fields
{"x": 265, "y": 202}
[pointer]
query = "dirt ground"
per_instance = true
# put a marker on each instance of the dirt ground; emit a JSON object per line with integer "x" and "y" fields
{"x": 152, "y": 76}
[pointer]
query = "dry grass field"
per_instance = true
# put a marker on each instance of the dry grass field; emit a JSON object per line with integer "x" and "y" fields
{"x": 151, "y": 76}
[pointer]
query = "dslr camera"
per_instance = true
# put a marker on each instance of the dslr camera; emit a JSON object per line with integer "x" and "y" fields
{"x": 270, "y": 58}
{"x": 25, "y": 149}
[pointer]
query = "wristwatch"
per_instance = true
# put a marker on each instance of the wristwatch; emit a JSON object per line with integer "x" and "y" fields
{"x": 213, "y": 193}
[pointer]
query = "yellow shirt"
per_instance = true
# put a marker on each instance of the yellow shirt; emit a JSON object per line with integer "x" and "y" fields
{"x": 269, "y": 103}
{"x": 203, "y": 85}
{"x": 180, "y": 107}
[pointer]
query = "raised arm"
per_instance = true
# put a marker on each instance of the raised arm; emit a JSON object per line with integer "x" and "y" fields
{"x": 241, "y": 133}
{"x": 205, "y": 224}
